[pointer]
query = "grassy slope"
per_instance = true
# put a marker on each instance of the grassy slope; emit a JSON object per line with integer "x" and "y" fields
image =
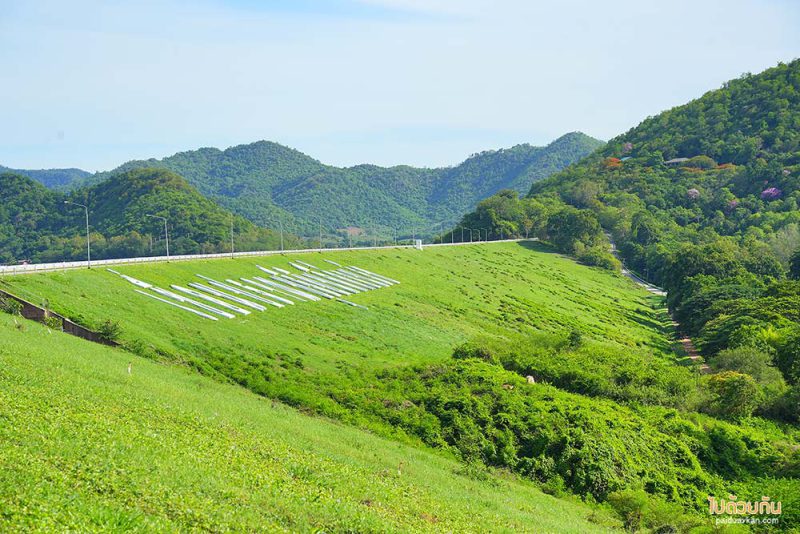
{"x": 84, "y": 446}
{"x": 447, "y": 295}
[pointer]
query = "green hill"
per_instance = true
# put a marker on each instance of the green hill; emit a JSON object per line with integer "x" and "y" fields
{"x": 57, "y": 179}
{"x": 716, "y": 223}
{"x": 35, "y": 224}
{"x": 85, "y": 446}
{"x": 441, "y": 361}
{"x": 266, "y": 181}
{"x": 702, "y": 200}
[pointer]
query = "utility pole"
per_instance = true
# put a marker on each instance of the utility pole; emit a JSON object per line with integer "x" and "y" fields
{"x": 462, "y": 234}
{"x": 280, "y": 223}
{"x": 166, "y": 231}
{"x": 88, "y": 241}
{"x": 232, "y": 250}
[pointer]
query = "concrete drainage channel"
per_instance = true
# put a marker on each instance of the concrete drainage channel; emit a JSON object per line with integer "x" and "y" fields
{"x": 33, "y": 312}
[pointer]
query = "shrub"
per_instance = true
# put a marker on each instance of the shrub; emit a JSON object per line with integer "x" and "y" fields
{"x": 476, "y": 471}
{"x": 788, "y": 356}
{"x": 555, "y": 486}
{"x": 574, "y": 339}
{"x": 756, "y": 363}
{"x": 109, "y": 330}
{"x": 53, "y": 322}
{"x": 599, "y": 257}
{"x": 736, "y": 394}
{"x": 787, "y": 406}
{"x": 637, "y": 509}
{"x": 477, "y": 351}
{"x": 9, "y": 305}
{"x": 701, "y": 162}
{"x": 630, "y": 506}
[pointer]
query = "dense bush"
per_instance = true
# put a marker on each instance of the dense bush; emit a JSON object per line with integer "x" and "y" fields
{"x": 572, "y": 363}
{"x": 599, "y": 256}
{"x": 109, "y": 330}
{"x": 735, "y": 394}
{"x": 592, "y": 447}
{"x": 9, "y": 305}
{"x": 637, "y": 509}
{"x": 56, "y": 323}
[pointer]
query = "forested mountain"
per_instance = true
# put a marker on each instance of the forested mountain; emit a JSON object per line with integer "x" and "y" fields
{"x": 703, "y": 200}
{"x": 58, "y": 179}
{"x": 266, "y": 181}
{"x": 36, "y": 224}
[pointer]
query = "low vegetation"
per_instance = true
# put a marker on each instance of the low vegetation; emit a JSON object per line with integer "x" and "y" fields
{"x": 94, "y": 439}
{"x": 506, "y": 356}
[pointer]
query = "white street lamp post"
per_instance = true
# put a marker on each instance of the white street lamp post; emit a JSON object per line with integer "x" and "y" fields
{"x": 166, "y": 230}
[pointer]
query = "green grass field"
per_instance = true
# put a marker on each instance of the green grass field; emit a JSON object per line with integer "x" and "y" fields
{"x": 447, "y": 295}
{"x": 156, "y": 427}
{"x": 84, "y": 446}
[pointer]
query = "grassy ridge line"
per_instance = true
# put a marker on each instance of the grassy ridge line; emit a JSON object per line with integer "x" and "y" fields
{"x": 84, "y": 446}
{"x": 46, "y": 267}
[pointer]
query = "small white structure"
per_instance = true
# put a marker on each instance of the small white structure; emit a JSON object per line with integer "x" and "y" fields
{"x": 676, "y": 161}
{"x": 418, "y": 244}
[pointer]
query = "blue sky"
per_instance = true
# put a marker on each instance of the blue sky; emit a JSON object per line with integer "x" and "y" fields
{"x": 424, "y": 82}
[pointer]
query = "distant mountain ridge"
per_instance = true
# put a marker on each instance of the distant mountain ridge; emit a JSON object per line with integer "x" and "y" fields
{"x": 266, "y": 181}
{"x": 57, "y": 179}
{"x": 36, "y": 224}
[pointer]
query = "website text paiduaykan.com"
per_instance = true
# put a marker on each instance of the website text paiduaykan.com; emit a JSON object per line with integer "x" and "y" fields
{"x": 747, "y": 520}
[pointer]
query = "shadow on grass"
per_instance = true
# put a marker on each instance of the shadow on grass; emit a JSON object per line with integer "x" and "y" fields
{"x": 538, "y": 246}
